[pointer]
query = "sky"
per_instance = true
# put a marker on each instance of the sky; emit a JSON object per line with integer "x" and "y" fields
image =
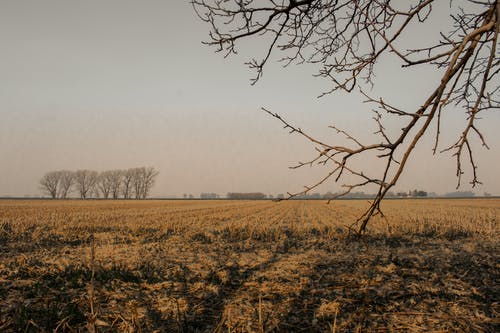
{"x": 117, "y": 84}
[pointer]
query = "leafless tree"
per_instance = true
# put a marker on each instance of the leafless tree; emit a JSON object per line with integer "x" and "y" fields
{"x": 67, "y": 179}
{"x": 148, "y": 180}
{"x": 85, "y": 182}
{"x": 111, "y": 183}
{"x": 143, "y": 180}
{"x": 127, "y": 183}
{"x": 50, "y": 183}
{"x": 346, "y": 38}
{"x": 137, "y": 182}
{"x": 116, "y": 179}
{"x": 105, "y": 183}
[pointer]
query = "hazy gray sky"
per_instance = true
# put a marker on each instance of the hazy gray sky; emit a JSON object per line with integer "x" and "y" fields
{"x": 120, "y": 83}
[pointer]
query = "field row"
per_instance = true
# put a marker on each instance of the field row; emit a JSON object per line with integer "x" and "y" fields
{"x": 248, "y": 266}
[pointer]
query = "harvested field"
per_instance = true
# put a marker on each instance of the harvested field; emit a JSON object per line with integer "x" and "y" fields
{"x": 248, "y": 266}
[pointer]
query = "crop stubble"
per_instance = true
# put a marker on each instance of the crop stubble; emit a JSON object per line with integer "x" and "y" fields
{"x": 249, "y": 266}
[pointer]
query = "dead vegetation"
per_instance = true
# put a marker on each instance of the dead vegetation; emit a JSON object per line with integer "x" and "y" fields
{"x": 248, "y": 266}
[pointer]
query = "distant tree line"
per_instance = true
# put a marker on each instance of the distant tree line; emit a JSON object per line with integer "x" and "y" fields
{"x": 130, "y": 183}
{"x": 362, "y": 195}
{"x": 246, "y": 196}
{"x": 463, "y": 194}
{"x": 209, "y": 195}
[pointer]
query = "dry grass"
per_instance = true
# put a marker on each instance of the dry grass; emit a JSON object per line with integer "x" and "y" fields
{"x": 248, "y": 266}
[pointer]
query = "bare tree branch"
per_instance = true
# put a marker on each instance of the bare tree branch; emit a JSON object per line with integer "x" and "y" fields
{"x": 346, "y": 38}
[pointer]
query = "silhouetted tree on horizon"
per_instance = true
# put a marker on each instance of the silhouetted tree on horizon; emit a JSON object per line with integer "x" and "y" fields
{"x": 133, "y": 182}
{"x": 67, "y": 180}
{"x": 50, "y": 183}
{"x": 85, "y": 182}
